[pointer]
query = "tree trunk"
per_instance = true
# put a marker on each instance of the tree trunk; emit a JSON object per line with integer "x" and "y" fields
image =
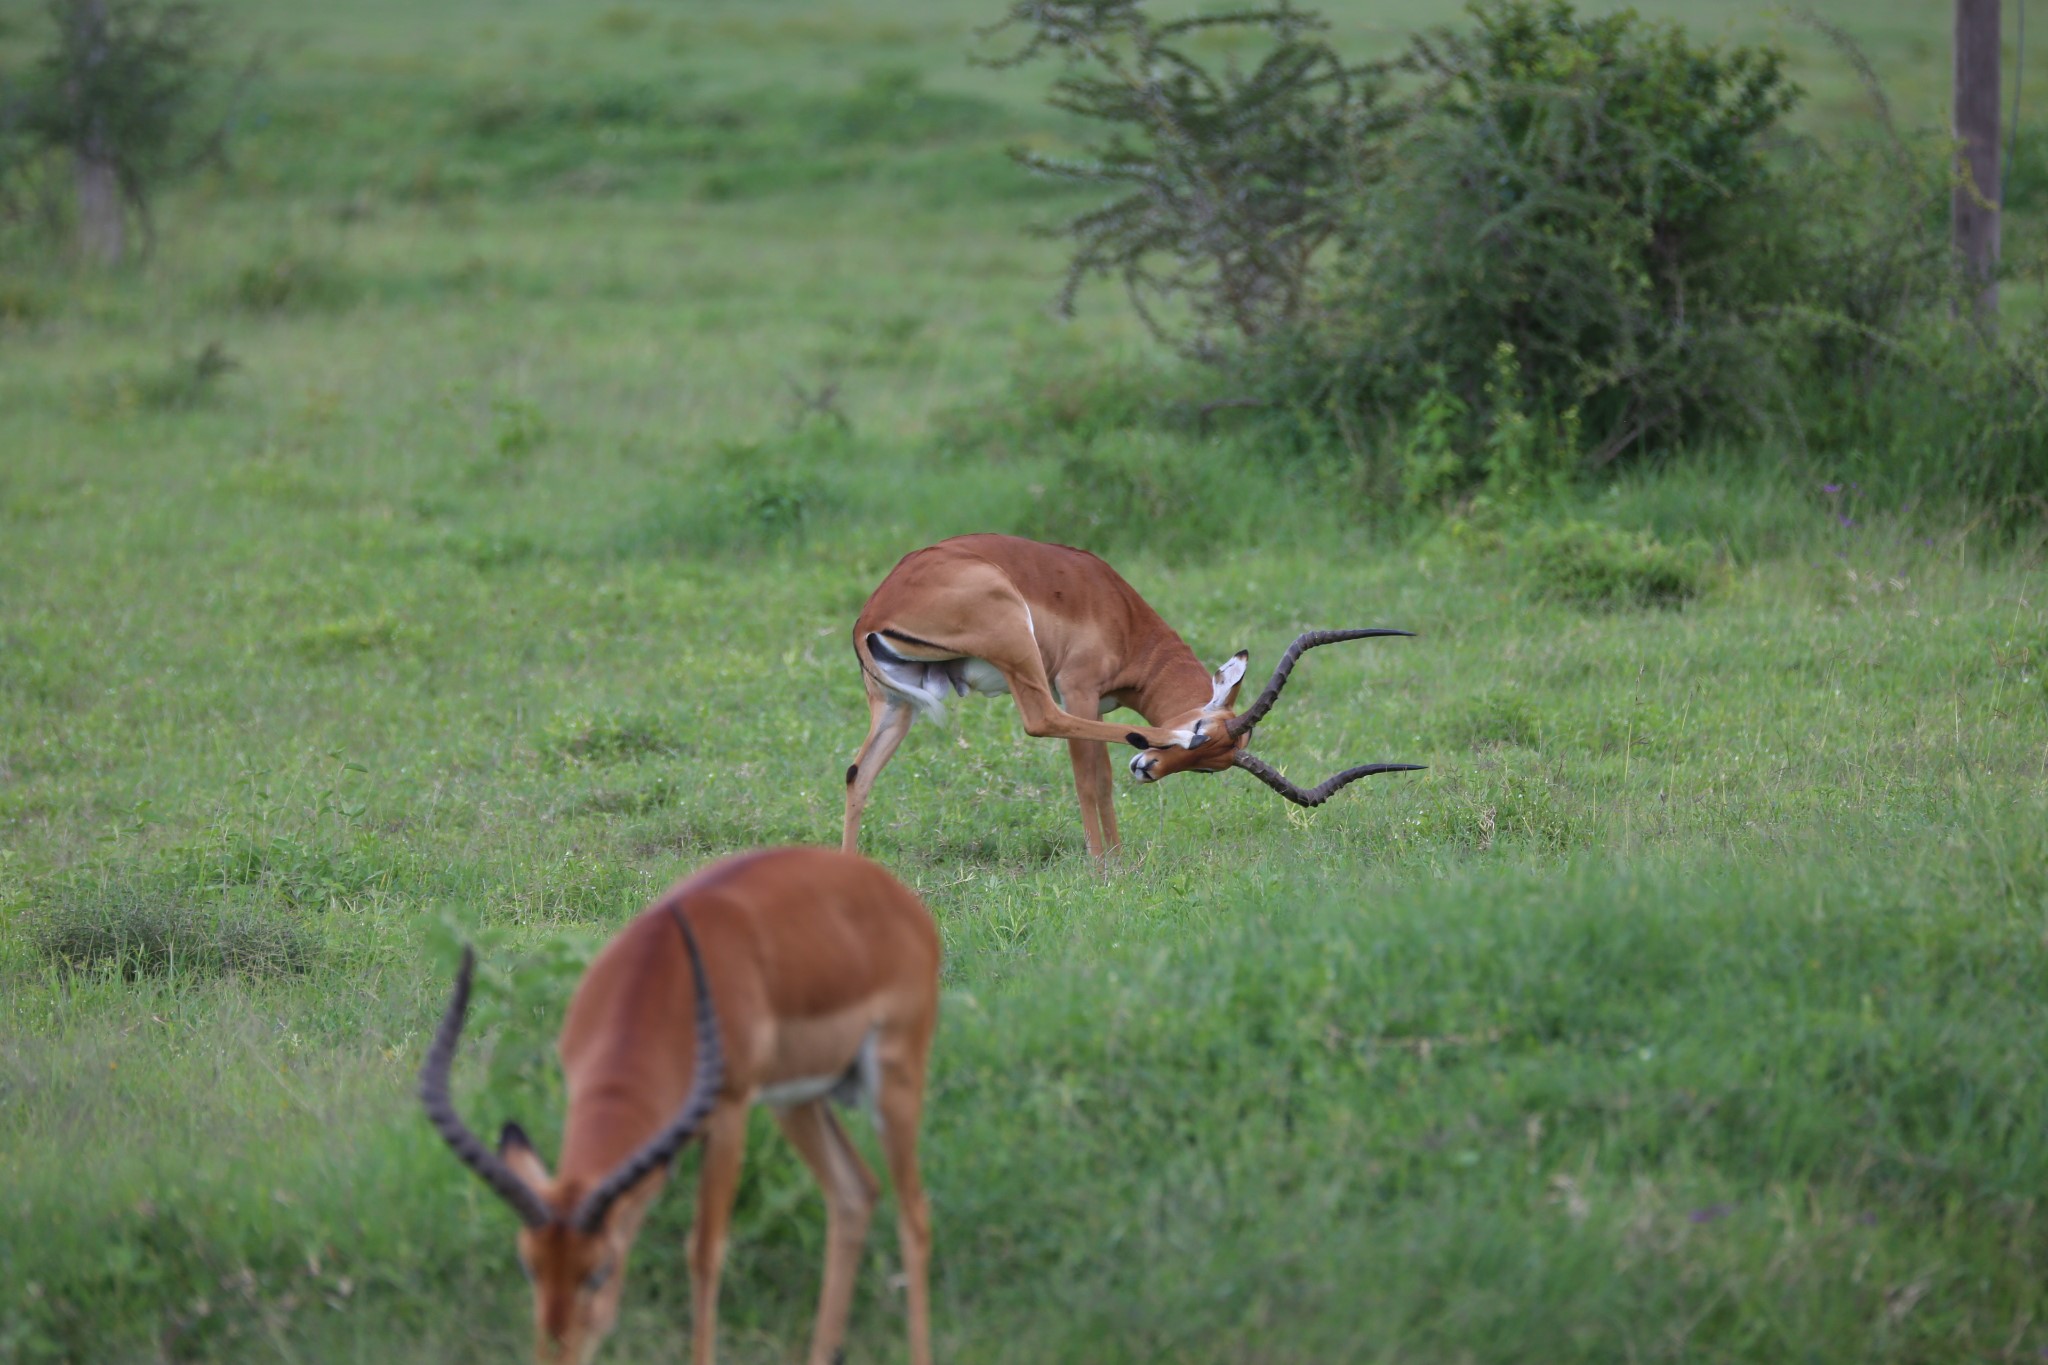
{"x": 1974, "y": 203}
{"x": 102, "y": 217}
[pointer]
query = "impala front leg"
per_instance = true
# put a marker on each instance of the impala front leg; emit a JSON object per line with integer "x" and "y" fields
{"x": 718, "y": 1180}
{"x": 898, "y": 1107}
{"x": 1043, "y": 718}
{"x": 1092, "y": 786}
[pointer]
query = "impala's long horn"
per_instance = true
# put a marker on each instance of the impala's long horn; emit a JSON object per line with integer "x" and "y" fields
{"x": 467, "y": 1146}
{"x": 660, "y": 1149}
{"x": 1242, "y": 723}
{"x": 1323, "y": 791}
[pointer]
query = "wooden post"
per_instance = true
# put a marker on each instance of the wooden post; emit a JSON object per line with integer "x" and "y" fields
{"x": 1974, "y": 202}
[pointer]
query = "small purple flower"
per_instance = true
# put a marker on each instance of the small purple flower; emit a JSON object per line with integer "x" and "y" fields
{"x": 1845, "y": 520}
{"x": 1831, "y": 488}
{"x": 1712, "y": 1213}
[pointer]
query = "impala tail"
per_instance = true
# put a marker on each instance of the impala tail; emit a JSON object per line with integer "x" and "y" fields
{"x": 926, "y": 684}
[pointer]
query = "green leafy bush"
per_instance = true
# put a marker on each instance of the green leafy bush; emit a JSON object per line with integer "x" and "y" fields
{"x": 1942, "y": 414}
{"x": 1595, "y": 196}
{"x": 1530, "y": 247}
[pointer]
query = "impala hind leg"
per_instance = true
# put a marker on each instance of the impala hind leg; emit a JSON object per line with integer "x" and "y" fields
{"x": 889, "y": 723}
{"x": 897, "y": 1107}
{"x": 850, "y": 1193}
{"x": 718, "y": 1180}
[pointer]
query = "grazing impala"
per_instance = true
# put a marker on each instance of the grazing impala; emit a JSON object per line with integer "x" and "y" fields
{"x": 1064, "y": 635}
{"x": 826, "y": 973}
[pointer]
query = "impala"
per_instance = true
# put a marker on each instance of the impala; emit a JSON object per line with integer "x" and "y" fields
{"x": 826, "y": 973}
{"x": 1069, "y": 640}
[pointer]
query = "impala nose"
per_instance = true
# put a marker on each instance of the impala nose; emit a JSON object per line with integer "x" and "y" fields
{"x": 1144, "y": 767}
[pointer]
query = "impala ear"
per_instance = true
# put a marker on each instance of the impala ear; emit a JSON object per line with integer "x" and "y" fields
{"x": 1227, "y": 679}
{"x": 516, "y": 1150}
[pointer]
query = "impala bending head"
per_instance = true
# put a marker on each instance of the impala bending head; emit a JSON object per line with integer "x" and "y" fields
{"x": 1202, "y": 741}
{"x": 1215, "y": 738}
{"x": 573, "y": 1238}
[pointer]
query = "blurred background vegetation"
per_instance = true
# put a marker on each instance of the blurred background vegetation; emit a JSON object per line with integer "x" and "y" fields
{"x": 442, "y": 449}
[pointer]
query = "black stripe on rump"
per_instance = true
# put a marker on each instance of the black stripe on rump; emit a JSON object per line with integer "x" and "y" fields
{"x": 909, "y": 639}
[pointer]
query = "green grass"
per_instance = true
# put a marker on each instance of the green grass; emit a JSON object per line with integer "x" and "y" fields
{"x": 589, "y": 368}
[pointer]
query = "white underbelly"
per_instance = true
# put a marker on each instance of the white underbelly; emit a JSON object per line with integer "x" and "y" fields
{"x": 984, "y": 677}
{"x": 855, "y": 1085}
{"x": 787, "y": 1093}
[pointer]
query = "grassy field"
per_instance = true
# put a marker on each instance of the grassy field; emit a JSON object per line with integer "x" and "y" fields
{"x": 590, "y": 365}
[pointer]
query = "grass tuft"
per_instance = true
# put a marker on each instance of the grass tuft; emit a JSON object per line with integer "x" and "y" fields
{"x": 136, "y": 928}
{"x": 348, "y": 637}
{"x": 181, "y": 384}
{"x": 1588, "y": 564}
{"x": 604, "y": 738}
{"x": 287, "y": 279}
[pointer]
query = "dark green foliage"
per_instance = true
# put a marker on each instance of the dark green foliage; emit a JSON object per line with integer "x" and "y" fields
{"x": 1232, "y": 180}
{"x": 1594, "y": 194}
{"x": 135, "y": 85}
{"x": 1571, "y": 239}
{"x": 1940, "y": 414}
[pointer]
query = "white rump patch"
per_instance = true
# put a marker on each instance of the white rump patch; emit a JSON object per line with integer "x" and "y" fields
{"x": 927, "y": 684}
{"x": 923, "y": 683}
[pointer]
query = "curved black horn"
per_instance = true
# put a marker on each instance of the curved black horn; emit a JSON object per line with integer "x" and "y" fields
{"x": 696, "y": 1107}
{"x": 1316, "y": 795}
{"x": 1239, "y": 724}
{"x": 467, "y": 1146}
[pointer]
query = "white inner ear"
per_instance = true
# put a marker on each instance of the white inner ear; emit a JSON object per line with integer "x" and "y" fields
{"x": 1227, "y": 677}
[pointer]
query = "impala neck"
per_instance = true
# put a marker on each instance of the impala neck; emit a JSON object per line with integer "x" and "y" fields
{"x": 626, "y": 1075}
{"x": 604, "y": 1130}
{"x": 1172, "y": 681}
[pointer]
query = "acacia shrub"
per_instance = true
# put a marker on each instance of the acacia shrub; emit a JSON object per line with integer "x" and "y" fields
{"x": 1230, "y": 178}
{"x": 1592, "y": 202}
